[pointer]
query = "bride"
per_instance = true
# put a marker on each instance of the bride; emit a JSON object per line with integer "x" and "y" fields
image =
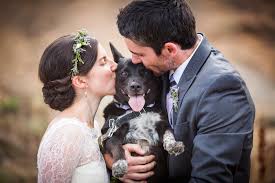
{"x": 76, "y": 74}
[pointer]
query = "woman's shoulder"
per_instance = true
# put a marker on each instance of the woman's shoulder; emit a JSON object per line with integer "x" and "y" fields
{"x": 62, "y": 134}
{"x": 64, "y": 128}
{"x": 66, "y": 122}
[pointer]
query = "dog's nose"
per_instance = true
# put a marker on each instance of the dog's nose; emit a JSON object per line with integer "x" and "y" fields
{"x": 135, "y": 86}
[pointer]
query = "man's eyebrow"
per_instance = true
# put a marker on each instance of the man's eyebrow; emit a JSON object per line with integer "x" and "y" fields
{"x": 135, "y": 53}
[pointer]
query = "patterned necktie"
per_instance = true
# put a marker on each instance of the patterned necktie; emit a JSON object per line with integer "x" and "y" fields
{"x": 170, "y": 100}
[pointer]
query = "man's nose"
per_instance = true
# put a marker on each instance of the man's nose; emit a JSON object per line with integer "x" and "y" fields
{"x": 136, "y": 59}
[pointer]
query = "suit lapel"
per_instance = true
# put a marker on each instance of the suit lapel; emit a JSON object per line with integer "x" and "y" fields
{"x": 192, "y": 69}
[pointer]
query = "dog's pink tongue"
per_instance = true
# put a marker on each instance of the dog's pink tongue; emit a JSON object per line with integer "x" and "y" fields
{"x": 136, "y": 103}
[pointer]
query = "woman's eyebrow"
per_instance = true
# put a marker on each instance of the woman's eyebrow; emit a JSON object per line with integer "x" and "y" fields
{"x": 103, "y": 57}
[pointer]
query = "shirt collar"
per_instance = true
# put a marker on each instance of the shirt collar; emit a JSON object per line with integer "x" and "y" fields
{"x": 179, "y": 71}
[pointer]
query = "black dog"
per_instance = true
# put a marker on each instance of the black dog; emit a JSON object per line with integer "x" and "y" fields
{"x": 135, "y": 116}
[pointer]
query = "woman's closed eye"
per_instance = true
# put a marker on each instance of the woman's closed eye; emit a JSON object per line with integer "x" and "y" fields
{"x": 103, "y": 61}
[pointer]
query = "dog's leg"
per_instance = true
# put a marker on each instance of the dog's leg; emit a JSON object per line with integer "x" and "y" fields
{"x": 120, "y": 166}
{"x": 161, "y": 127}
{"x": 167, "y": 137}
{"x": 114, "y": 146}
{"x": 172, "y": 146}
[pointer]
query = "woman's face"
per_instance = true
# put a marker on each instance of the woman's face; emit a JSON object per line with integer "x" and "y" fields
{"x": 101, "y": 78}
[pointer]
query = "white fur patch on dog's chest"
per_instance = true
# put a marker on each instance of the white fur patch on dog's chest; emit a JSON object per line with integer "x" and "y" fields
{"x": 144, "y": 128}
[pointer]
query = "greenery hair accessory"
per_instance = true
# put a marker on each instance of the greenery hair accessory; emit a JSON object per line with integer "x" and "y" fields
{"x": 81, "y": 39}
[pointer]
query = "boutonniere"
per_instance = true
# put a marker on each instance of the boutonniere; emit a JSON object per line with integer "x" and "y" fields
{"x": 175, "y": 97}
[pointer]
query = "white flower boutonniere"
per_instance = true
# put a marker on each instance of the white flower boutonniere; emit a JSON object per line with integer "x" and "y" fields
{"x": 174, "y": 92}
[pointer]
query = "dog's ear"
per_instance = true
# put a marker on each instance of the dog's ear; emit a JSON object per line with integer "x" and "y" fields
{"x": 116, "y": 54}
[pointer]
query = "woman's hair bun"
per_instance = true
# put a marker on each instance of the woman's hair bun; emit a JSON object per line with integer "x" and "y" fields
{"x": 59, "y": 94}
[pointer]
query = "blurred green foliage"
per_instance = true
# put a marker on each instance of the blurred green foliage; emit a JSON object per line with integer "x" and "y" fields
{"x": 9, "y": 105}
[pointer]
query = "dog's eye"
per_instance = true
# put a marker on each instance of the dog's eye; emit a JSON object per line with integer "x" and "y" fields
{"x": 144, "y": 72}
{"x": 124, "y": 74}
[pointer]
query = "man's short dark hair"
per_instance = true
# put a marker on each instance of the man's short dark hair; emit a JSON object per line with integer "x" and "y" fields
{"x": 155, "y": 22}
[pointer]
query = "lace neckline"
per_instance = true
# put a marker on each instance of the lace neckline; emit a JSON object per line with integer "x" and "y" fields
{"x": 74, "y": 120}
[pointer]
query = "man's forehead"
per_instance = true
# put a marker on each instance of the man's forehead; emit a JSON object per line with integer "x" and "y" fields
{"x": 131, "y": 44}
{"x": 134, "y": 44}
{"x": 127, "y": 64}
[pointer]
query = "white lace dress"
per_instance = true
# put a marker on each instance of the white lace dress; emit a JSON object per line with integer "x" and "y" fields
{"x": 69, "y": 152}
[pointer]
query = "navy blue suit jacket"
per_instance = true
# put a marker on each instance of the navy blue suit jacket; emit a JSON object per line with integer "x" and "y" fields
{"x": 214, "y": 120}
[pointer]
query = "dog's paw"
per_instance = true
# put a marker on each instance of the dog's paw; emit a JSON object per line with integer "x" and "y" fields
{"x": 119, "y": 168}
{"x": 174, "y": 148}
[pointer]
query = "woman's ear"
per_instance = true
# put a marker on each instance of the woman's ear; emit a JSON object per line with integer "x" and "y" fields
{"x": 170, "y": 49}
{"x": 79, "y": 82}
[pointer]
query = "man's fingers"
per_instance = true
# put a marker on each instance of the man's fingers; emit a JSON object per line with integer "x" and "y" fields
{"x": 131, "y": 181}
{"x": 139, "y": 160}
{"x": 134, "y": 148}
{"x": 139, "y": 167}
{"x": 142, "y": 168}
{"x": 138, "y": 176}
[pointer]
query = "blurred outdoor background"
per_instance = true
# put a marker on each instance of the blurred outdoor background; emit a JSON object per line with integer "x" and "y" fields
{"x": 243, "y": 30}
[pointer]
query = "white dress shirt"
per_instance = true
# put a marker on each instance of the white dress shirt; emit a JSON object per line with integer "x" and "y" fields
{"x": 177, "y": 75}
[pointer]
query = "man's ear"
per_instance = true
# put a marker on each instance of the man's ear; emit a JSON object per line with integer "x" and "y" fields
{"x": 170, "y": 49}
{"x": 79, "y": 82}
{"x": 116, "y": 54}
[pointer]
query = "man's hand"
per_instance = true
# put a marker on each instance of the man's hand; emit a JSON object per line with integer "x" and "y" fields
{"x": 139, "y": 167}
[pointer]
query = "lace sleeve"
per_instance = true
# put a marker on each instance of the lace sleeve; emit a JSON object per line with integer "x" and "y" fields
{"x": 60, "y": 154}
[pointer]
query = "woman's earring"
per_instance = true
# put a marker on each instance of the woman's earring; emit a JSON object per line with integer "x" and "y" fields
{"x": 85, "y": 94}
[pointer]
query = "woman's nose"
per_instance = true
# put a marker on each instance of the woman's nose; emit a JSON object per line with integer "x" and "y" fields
{"x": 113, "y": 66}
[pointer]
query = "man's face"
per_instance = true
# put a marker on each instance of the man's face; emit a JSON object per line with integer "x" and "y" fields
{"x": 147, "y": 56}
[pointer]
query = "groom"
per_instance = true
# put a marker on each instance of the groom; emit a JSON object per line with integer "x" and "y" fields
{"x": 211, "y": 110}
